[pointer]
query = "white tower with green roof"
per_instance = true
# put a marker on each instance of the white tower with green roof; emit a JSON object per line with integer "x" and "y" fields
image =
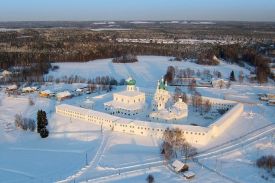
{"x": 131, "y": 84}
{"x": 161, "y": 96}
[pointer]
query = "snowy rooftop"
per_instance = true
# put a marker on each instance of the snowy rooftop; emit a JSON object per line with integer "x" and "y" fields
{"x": 129, "y": 93}
{"x": 63, "y": 94}
{"x": 121, "y": 105}
{"x": 178, "y": 165}
{"x": 189, "y": 174}
{"x": 12, "y": 87}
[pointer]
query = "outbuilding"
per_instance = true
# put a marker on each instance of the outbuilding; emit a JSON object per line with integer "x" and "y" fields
{"x": 189, "y": 174}
{"x": 179, "y": 166}
{"x": 63, "y": 95}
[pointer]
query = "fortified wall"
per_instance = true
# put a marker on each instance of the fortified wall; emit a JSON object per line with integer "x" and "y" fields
{"x": 193, "y": 134}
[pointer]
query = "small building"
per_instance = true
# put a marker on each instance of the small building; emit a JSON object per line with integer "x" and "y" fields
{"x": 219, "y": 83}
{"x": 189, "y": 174}
{"x": 252, "y": 77}
{"x": 271, "y": 103}
{"x": 6, "y": 73}
{"x": 270, "y": 96}
{"x": 29, "y": 89}
{"x": 179, "y": 166}
{"x": 46, "y": 93}
{"x": 78, "y": 91}
{"x": 63, "y": 95}
{"x": 11, "y": 88}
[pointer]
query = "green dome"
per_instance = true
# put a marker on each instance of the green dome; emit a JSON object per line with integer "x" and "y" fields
{"x": 162, "y": 85}
{"x": 130, "y": 81}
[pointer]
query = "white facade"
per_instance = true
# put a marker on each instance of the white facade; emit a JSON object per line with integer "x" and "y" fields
{"x": 160, "y": 112}
{"x": 177, "y": 112}
{"x": 129, "y": 102}
{"x": 161, "y": 96}
{"x": 193, "y": 134}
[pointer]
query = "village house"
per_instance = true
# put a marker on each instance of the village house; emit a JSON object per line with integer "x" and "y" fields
{"x": 12, "y": 89}
{"x": 46, "y": 93}
{"x": 189, "y": 174}
{"x": 29, "y": 89}
{"x": 63, "y": 95}
{"x": 179, "y": 166}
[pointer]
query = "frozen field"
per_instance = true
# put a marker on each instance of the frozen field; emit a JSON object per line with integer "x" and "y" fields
{"x": 146, "y": 71}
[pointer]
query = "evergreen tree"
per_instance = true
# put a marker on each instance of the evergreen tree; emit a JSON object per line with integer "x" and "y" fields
{"x": 44, "y": 133}
{"x": 44, "y": 119}
{"x": 232, "y": 76}
{"x": 150, "y": 178}
{"x": 39, "y": 121}
{"x": 42, "y": 122}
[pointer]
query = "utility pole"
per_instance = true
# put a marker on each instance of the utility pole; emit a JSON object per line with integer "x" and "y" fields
{"x": 86, "y": 159}
{"x": 216, "y": 164}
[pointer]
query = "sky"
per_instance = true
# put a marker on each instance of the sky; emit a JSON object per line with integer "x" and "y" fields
{"x": 93, "y": 10}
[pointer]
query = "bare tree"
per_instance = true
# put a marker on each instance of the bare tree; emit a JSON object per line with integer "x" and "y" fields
{"x": 241, "y": 77}
{"x": 207, "y": 106}
{"x": 192, "y": 85}
{"x": 177, "y": 94}
{"x": 197, "y": 101}
{"x": 184, "y": 97}
{"x": 188, "y": 151}
{"x": 31, "y": 101}
{"x": 24, "y": 123}
{"x": 221, "y": 84}
{"x": 173, "y": 143}
{"x": 166, "y": 150}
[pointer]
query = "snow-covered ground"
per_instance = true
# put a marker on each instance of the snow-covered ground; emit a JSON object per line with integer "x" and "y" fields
{"x": 78, "y": 151}
{"x": 146, "y": 71}
{"x": 239, "y": 163}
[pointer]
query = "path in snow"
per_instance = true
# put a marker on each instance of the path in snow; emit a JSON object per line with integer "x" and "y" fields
{"x": 17, "y": 172}
{"x": 92, "y": 164}
{"x": 238, "y": 142}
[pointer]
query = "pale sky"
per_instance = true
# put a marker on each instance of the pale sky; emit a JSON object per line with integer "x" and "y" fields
{"x": 42, "y": 10}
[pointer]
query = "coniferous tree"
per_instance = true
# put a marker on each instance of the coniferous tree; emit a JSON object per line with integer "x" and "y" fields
{"x": 42, "y": 123}
{"x": 39, "y": 121}
{"x": 44, "y": 119}
{"x": 150, "y": 178}
{"x": 44, "y": 132}
{"x": 232, "y": 76}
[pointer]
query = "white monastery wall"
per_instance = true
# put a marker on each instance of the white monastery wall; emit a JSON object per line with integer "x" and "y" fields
{"x": 193, "y": 134}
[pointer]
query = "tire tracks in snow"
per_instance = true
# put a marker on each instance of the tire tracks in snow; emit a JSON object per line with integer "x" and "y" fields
{"x": 93, "y": 163}
{"x": 236, "y": 143}
{"x": 17, "y": 172}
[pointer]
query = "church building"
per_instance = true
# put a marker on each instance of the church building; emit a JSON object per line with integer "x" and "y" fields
{"x": 161, "y": 111}
{"x": 129, "y": 102}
